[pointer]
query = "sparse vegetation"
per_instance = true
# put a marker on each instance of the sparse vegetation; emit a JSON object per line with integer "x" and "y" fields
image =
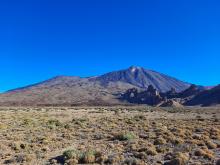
{"x": 125, "y": 136}
{"x": 136, "y": 136}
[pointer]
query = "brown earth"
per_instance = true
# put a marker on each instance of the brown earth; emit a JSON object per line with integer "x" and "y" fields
{"x": 109, "y": 135}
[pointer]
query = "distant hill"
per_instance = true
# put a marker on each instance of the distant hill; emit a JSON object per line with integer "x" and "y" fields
{"x": 172, "y": 98}
{"x": 99, "y": 90}
{"x": 206, "y": 98}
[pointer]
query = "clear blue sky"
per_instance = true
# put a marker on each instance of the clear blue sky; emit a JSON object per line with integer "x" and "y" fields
{"x": 40, "y": 39}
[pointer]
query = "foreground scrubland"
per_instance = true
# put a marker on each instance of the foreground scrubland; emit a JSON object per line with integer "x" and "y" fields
{"x": 109, "y": 135}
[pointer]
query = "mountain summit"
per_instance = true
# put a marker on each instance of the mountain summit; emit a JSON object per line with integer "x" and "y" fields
{"x": 98, "y": 90}
{"x": 142, "y": 78}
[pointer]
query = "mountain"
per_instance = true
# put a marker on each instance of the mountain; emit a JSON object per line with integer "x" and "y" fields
{"x": 99, "y": 90}
{"x": 186, "y": 94}
{"x": 206, "y": 97}
{"x": 150, "y": 96}
{"x": 153, "y": 97}
{"x": 193, "y": 90}
{"x": 142, "y": 78}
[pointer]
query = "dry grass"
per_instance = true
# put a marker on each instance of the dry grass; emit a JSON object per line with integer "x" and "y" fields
{"x": 109, "y": 135}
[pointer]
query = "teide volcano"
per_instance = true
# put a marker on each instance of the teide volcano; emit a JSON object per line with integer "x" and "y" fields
{"x": 99, "y": 90}
{"x": 142, "y": 78}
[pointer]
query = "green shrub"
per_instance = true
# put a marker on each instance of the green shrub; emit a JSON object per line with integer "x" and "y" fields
{"x": 125, "y": 136}
{"x": 72, "y": 154}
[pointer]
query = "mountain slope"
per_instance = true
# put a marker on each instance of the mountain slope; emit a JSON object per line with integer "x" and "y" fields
{"x": 142, "y": 78}
{"x": 100, "y": 90}
{"x": 63, "y": 91}
{"x": 207, "y": 97}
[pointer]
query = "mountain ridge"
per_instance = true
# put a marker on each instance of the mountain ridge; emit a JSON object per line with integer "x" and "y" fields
{"x": 209, "y": 97}
{"x": 103, "y": 89}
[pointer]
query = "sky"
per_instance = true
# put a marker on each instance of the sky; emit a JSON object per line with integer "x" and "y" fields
{"x": 40, "y": 39}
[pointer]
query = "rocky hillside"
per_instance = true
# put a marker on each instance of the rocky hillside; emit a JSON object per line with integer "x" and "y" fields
{"x": 206, "y": 98}
{"x": 99, "y": 90}
{"x": 194, "y": 95}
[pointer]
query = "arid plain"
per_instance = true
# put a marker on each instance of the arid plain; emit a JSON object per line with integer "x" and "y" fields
{"x": 132, "y": 135}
